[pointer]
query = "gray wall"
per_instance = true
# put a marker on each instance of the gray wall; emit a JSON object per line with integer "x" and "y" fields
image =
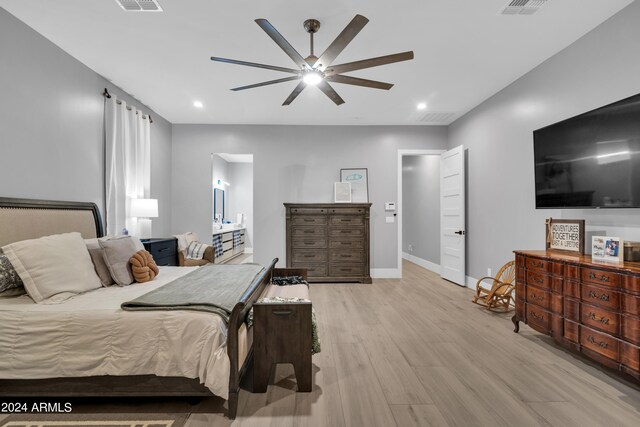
{"x": 294, "y": 164}
{"x": 241, "y": 196}
{"x": 51, "y": 125}
{"x": 600, "y": 68}
{"x": 421, "y": 206}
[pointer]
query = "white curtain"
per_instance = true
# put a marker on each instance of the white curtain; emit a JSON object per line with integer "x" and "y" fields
{"x": 127, "y": 163}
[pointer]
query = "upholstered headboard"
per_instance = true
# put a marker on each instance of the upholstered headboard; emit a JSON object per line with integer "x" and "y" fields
{"x": 22, "y": 219}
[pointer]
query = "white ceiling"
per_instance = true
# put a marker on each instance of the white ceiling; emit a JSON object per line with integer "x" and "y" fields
{"x": 465, "y": 51}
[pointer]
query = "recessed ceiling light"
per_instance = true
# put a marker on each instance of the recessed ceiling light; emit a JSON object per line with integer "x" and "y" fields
{"x": 422, "y": 106}
{"x": 198, "y": 104}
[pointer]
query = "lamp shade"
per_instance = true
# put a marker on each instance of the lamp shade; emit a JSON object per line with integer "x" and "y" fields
{"x": 144, "y": 208}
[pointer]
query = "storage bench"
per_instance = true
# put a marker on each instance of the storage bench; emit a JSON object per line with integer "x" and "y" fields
{"x": 282, "y": 333}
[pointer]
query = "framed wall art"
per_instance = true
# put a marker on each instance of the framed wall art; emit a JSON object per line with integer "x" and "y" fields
{"x": 565, "y": 235}
{"x": 341, "y": 192}
{"x": 359, "y": 181}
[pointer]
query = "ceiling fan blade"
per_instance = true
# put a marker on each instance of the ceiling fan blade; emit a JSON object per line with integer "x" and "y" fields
{"x": 343, "y": 39}
{"x": 368, "y": 63}
{"x": 282, "y": 42}
{"x": 332, "y": 94}
{"x": 295, "y": 93}
{"x": 337, "y": 78}
{"x": 270, "y": 82}
{"x": 253, "y": 64}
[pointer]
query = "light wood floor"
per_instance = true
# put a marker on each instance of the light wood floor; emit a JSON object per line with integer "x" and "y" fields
{"x": 417, "y": 352}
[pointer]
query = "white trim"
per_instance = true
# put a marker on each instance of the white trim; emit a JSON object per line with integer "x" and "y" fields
{"x": 401, "y": 153}
{"x": 471, "y": 282}
{"x": 386, "y": 273}
{"x": 248, "y": 250}
{"x": 431, "y": 266}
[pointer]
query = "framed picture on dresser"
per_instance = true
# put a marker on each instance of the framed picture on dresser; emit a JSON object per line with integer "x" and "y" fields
{"x": 359, "y": 180}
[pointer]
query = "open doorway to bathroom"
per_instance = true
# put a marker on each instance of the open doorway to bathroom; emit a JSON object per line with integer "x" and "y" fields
{"x": 232, "y": 207}
{"x": 419, "y": 208}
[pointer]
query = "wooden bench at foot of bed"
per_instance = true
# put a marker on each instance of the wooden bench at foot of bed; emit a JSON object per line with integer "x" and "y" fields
{"x": 283, "y": 333}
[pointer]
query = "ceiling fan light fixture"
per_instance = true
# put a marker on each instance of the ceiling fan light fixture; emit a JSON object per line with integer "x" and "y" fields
{"x": 312, "y": 77}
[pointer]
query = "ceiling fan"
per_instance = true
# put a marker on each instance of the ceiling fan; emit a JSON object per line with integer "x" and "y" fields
{"x": 319, "y": 71}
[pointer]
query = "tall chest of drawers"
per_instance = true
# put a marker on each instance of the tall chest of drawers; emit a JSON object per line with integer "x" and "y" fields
{"x": 330, "y": 240}
{"x": 593, "y": 308}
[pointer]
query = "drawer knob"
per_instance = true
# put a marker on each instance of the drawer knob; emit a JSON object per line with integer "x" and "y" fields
{"x": 602, "y": 278}
{"x": 536, "y": 297}
{"x": 536, "y": 315}
{"x": 603, "y": 297}
{"x": 538, "y": 264}
{"x": 538, "y": 280}
{"x": 592, "y": 340}
{"x": 602, "y": 320}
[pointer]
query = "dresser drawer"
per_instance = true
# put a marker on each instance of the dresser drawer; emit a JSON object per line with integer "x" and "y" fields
{"x": 350, "y": 220}
{"x": 599, "y": 342}
{"x": 313, "y": 269}
{"x": 347, "y": 211}
{"x": 538, "y": 279}
{"x": 631, "y": 304}
{"x": 600, "y": 277}
{"x": 630, "y": 355}
{"x": 600, "y": 296}
{"x": 309, "y": 220}
{"x": 538, "y": 318}
{"x": 521, "y": 290}
{"x": 163, "y": 251}
{"x": 309, "y": 242}
{"x": 539, "y": 297}
{"x": 631, "y": 284}
{"x": 343, "y": 269}
{"x": 309, "y": 231}
{"x": 571, "y": 271}
{"x": 227, "y": 245}
{"x": 309, "y": 255}
{"x": 538, "y": 264}
{"x": 309, "y": 211}
{"x": 630, "y": 329}
{"x": 165, "y": 261}
{"x": 357, "y": 232}
{"x": 600, "y": 319}
{"x": 346, "y": 256}
{"x": 346, "y": 244}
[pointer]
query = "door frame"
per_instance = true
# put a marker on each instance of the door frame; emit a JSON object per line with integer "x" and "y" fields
{"x": 399, "y": 211}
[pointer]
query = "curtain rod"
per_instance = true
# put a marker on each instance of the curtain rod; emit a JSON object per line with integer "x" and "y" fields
{"x": 106, "y": 94}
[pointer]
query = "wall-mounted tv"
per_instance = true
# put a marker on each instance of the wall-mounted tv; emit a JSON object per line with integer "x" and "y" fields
{"x": 591, "y": 160}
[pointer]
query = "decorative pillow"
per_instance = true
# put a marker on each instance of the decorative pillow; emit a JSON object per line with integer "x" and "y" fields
{"x": 195, "y": 250}
{"x": 97, "y": 257}
{"x": 117, "y": 253}
{"x": 143, "y": 266}
{"x": 10, "y": 282}
{"x": 185, "y": 239}
{"x": 53, "y": 268}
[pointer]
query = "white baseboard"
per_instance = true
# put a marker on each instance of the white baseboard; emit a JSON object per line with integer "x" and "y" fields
{"x": 472, "y": 282}
{"x": 385, "y": 273}
{"x": 431, "y": 266}
{"x": 248, "y": 250}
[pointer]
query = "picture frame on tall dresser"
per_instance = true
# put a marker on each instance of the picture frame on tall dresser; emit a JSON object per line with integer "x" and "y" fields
{"x": 565, "y": 235}
{"x": 359, "y": 180}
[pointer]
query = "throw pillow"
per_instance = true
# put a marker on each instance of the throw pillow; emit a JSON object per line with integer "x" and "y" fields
{"x": 10, "y": 282}
{"x": 117, "y": 253}
{"x": 97, "y": 257}
{"x": 143, "y": 266}
{"x": 53, "y": 268}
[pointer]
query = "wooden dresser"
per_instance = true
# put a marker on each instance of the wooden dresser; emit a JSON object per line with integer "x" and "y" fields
{"x": 330, "y": 240}
{"x": 590, "y": 307}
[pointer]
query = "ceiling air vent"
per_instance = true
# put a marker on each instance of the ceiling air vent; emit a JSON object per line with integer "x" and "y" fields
{"x": 140, "y": 5}
{"x": 437, "y": 118}
{"x": 523, "y": 7}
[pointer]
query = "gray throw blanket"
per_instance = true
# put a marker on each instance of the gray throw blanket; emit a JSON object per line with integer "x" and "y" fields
{"x": 213, "y": 288}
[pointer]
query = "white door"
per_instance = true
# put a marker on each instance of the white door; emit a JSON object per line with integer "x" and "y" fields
{"x": 452, "y": 216}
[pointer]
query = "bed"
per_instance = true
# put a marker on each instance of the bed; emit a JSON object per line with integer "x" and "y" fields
{"x": 148, "y": 353}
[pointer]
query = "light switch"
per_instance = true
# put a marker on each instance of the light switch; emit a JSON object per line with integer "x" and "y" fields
{"x": 390, "y": 206}
{"x": 390, "y": 219}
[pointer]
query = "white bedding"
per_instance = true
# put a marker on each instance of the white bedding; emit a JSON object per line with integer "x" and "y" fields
{"x": 90, "y": 335}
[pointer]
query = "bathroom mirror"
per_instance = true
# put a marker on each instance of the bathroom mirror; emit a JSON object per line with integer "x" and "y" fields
{"x": 218, "y": 204}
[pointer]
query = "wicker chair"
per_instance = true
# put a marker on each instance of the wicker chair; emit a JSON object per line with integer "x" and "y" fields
{"x": 502, "y": 286}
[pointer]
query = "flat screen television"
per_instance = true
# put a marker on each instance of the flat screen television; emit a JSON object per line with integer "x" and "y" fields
{"x": 591, "y": 160}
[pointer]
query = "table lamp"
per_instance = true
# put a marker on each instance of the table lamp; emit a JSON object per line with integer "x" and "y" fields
{"x": 144, "y": 209}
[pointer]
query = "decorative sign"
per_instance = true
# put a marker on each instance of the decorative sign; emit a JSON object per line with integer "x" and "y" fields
{"x": 565, "y": 235}
{"x": 609, "y": 249}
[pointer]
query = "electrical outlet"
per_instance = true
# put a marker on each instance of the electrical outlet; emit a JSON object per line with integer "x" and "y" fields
{"x": 489, "y": 272}
{"x": 410, "y": 248}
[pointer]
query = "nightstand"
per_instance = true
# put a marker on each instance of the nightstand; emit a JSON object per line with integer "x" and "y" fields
{"x": 163, "y": 250}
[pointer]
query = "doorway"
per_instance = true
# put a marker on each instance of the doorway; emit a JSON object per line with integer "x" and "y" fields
{"x": 232, "y": 195}
{"x": 419, "y": 208}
